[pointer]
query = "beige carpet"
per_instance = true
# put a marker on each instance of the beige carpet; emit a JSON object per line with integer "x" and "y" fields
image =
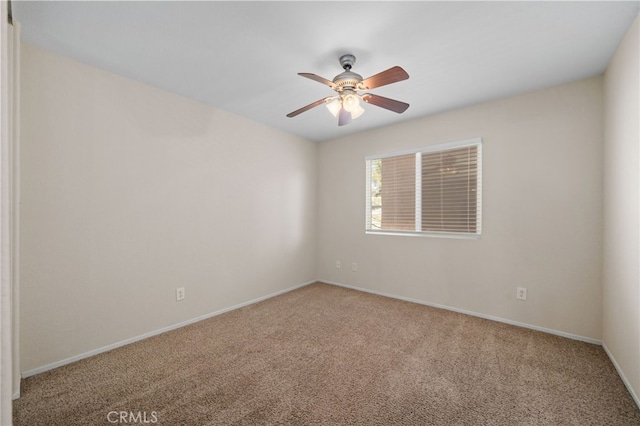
{"x": 328, "y": 355}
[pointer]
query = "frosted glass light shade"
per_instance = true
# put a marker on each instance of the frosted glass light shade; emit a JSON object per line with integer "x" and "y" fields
{"x": 357, "y": 112}
{"x": 334, "y": 106}
{"x": 350, "y": 102}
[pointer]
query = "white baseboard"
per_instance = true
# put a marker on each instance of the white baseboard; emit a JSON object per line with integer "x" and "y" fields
{"x": 15, "y": 396}
{"x": 156, "y": 332}
{"x": 634, "y": 395}
{"x": 464, "y": 311}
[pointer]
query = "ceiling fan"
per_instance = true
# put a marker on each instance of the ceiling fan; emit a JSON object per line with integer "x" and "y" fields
{"x": 346, "y": 104}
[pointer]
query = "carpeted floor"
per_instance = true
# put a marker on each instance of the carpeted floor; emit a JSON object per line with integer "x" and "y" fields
{"x": 328, "y": 355}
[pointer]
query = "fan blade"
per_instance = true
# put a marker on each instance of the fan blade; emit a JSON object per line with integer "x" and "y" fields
{"x": 308, "y": 107}
{"x": 318, "y": 79}
{"x": 389, "y": 76}
{"x": 344, "y": 117}
{"x": 386, "y": 103}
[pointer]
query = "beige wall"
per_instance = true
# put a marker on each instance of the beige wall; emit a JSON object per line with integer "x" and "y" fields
{"x": 621, "y": 288}
{"x": 542, "y": 213}
{"x": 129, "y": 192}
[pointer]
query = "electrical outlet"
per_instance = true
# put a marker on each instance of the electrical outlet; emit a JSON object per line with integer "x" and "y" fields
{"x": 354, "y": 266}
{"x": 338, "y": 264}
{"x": 179, "y": 293}
{"x": 521, "y": 293}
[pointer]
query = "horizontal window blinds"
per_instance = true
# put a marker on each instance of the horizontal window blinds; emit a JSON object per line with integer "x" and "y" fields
{"x": 449, "y": 190}
{"x": 397, "y": 192}
{"x": 436, "y": 189}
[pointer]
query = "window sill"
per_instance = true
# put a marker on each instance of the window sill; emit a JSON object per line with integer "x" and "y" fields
{"x": 454, "y": 235}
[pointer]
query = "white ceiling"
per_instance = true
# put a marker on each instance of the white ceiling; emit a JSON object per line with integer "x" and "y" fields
{"x": 243, "y": 57}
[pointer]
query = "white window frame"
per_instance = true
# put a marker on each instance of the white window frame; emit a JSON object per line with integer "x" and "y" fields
{"x": 418, "y": 205}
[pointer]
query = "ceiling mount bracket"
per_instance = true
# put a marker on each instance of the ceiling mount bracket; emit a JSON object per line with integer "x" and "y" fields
{"x": 347, "y": 61}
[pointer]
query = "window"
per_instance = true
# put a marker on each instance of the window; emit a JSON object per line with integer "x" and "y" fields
{"x": 435, "y": 190}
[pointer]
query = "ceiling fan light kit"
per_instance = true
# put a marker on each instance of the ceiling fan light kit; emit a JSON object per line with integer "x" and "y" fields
{"x": 346, "y": 104}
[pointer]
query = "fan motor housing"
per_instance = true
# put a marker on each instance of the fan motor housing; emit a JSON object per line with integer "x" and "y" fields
{"x": 347, "y": 80}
